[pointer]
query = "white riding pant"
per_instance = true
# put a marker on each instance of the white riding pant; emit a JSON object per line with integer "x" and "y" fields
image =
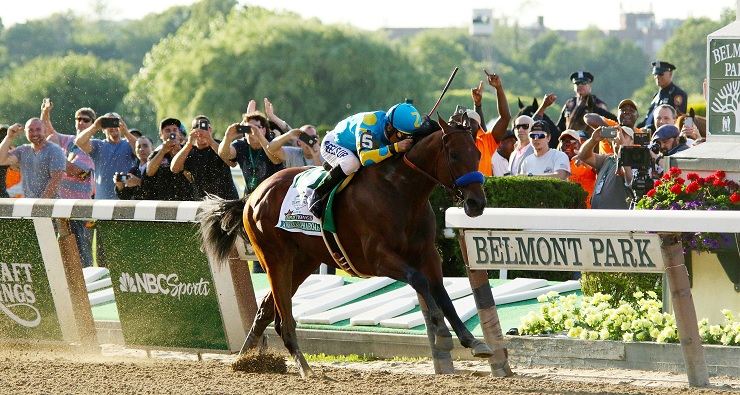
{"x": 336, "y": 155}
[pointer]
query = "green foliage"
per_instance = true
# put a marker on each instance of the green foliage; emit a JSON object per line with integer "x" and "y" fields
{"x": 535, "y": 192}
{"x": 71, "y": 82}
{"x": 620, "y": 285}
{"x": 312, "y": 73}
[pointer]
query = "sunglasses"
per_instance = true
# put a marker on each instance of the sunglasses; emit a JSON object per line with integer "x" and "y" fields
{"x": 83, "y": 119}
{"x": 537, "y": 136}
{"x": 522, "y": 126}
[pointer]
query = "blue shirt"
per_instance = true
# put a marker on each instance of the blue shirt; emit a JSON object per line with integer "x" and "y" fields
{"x": 364, "y": 134}
{"x": 36, "y": 167}
{"x": 110, "y": 158}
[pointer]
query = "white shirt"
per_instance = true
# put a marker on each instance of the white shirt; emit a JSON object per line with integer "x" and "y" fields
{"x": 549, "y": 163}
{"x": 500, "y": 165}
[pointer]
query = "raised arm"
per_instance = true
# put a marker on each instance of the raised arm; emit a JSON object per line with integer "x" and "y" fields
{"x": 127, "y": 134}
{"x": 586, "y": 153}
{"x": 275, "y": 147}
{"x": 5, "y": 158}
{"x": 46, "y": 107}
{"x": 502, "y": 123}
{"x": 225, "y": 150}
{"x": 178, "y": 161}
{"x": 270, "y": 112}
{"x": 83, "y": 138}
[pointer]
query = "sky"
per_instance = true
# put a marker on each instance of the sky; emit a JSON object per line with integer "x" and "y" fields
{"x": 375, "y": 14}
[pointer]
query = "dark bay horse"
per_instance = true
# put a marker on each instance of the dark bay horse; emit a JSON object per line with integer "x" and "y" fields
{"x": 385, "y": 223}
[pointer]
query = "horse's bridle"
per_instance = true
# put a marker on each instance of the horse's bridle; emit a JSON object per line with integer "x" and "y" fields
{"x": 459, "y": 182}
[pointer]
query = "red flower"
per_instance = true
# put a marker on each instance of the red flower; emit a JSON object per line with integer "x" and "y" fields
{"x": 657, "y": 183}
{"x": 693, "y": 187}
{"x": 666, "y": 176}
{"x": 675, "y": 171}
{"x": 692, "y": 176}
{"x": 735, "y": 198}
{"x": 678, "y": 188}
{"x": 701, "y": 181}
{"x": 719, "y": 183}
{"x": 710, "y": 179}
{"x": 680, "y": 180}
{"x": 720, "y": 174}
{"x": 651, "y": 193}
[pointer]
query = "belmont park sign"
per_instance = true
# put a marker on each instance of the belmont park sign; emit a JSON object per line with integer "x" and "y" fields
{"x": 596, "y": 252}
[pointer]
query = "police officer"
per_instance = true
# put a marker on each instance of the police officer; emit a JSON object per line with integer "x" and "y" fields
{"x": 571, "y": 117}
{"x": 669, "y": 92}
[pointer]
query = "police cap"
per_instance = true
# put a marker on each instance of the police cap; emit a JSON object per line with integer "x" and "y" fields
{"x": 582, "y": 77}
{"x": 660, "y": 67}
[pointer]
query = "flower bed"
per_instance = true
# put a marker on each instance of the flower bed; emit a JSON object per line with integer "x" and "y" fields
{"x": 595, "y": 318}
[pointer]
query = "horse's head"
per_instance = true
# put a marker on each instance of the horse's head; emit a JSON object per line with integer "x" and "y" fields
{"x": 457, "y": 169}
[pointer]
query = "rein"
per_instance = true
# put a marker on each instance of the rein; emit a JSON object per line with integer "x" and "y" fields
{"x": 466, "y": 179}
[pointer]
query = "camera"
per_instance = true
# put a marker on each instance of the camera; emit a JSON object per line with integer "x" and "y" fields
{"x": 203, "y": 124}
{"x": 243, "y": 129}
{"x": 634, "y": 156}
{"x": 109, "y": 122}
{"x": 121, "y": 177}
{"x": 173, "y": 136}
{"x": 609, "y": 132}
{"x": 310, "y": 140}
{"x": 642, "y": 139}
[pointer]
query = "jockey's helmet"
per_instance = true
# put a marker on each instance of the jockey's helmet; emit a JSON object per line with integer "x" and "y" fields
{"x": 404, "y": 117}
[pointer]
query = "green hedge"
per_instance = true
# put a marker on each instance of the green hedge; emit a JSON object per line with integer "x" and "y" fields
{"x": 511, "y": 192}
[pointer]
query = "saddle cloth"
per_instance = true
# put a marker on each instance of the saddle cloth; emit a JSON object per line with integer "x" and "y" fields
{"x": 294, "y": 214}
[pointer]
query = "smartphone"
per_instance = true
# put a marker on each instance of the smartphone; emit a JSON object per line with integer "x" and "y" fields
{"x": 110, "y": 122}
{"x": 688, "y": 122}
{"x": 243, "y": 129}
{"x": 310, "y": 140}
{"x": 609, "y": 132}
{"x": 203, "y": 124}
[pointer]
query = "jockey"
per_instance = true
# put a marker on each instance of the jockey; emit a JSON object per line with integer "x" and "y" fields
{"x": 364, "y": 139}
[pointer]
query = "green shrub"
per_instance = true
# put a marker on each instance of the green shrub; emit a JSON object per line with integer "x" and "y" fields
{"x": 511, "y": 192}
{"x": 621, "y": 286}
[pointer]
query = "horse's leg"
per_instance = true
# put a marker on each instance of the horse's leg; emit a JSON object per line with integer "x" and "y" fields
{"x": 440, "y": 339}
{"x": 281, "y": 281}
{"x": 265, "y": 315}
{"x": 434, "y": 273}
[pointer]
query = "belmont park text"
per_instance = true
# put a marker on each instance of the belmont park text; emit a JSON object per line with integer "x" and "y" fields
{"x": 563, "y": 251}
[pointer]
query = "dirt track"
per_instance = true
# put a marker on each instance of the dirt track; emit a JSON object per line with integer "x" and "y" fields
{"x": 34, "y": 372}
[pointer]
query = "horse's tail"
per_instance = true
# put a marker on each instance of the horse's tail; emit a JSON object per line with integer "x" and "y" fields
{"x": 220, "y": 225}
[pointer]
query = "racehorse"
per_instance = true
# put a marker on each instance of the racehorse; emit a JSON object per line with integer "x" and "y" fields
{"x": 530, "y": 110}
{"x": 385, "y": 223}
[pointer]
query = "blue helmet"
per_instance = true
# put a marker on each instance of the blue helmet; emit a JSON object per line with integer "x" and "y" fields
{"x": 404, "y": 117}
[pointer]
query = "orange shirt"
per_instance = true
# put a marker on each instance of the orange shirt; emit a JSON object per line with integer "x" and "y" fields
{"x": 12, "y": 178}
{"x": 584, "y": 175}
{"x": 487, "y": 146}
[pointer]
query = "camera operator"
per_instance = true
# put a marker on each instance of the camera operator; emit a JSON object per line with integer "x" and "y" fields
{"x": 305, "y": 154}
{"x": 611, "y": 191}
{"x": 666, "y": 141}
{"x": 158, "y": 178}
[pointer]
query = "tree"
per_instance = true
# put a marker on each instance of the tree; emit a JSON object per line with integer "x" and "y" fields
{"x": 727, "y": 101}
{"x": 72, "y": 82}
{"x": 311, "y": 72}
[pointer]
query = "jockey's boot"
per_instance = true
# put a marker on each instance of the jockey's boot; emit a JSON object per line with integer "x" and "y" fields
{"x": 323, "y": 190}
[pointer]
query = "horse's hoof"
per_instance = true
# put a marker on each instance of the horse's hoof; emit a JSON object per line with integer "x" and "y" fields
{"x": 307, "y": 373}
{"x": 481, "y": 350}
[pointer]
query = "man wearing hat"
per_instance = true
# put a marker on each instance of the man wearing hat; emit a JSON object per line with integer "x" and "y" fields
{"x": 580, "y": 173}
{"x": 500, "y": 159}
{"x": 545, "y": 161}
{"x": 626, "y": 116}
{"x": 669, "y": 93}
{"x": 667, "y": 139}
{"x": 571, "y": 117}
{"x": 159, "y": 180}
